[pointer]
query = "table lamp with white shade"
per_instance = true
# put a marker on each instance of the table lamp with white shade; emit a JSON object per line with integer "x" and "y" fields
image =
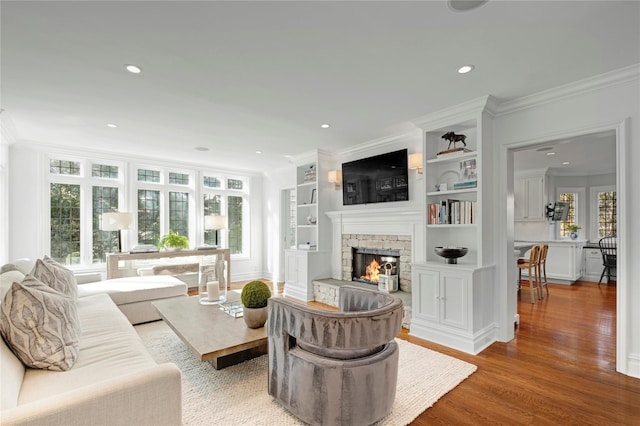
{"x": 116, "y": 221}
{"x": 215, "y": 222}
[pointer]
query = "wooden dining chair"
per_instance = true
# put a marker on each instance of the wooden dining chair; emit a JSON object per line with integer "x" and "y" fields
{"x": 532, "y": 264}
{"x": 608, "y": 250}
{"x": 542, "y": 269}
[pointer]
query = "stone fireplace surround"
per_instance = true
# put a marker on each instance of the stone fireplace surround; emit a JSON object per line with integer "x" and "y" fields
{"x": 401, "y": 243}
{"x": 388, "y": 228}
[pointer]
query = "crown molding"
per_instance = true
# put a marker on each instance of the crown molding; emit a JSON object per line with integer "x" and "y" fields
{"x": 598, "y": 82}
{"x": 455, "y": 114}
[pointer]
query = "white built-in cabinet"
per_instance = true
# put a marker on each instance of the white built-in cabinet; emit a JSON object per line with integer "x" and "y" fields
{"x": 530, "y": 196}
{"x": 453, "y": 303}
{"x": 450, "y": 306}
{"x": 592, "y": 264}
{"x": 310, "y": 259}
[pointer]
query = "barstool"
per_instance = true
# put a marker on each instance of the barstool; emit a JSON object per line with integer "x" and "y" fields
{"x": 532, "y": 264}
{"x": 542, "y": 268}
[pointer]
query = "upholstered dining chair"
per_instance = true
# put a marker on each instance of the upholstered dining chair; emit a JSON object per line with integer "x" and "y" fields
{"x": 532, "y": 264}
{"x": 608, "y": 249}
{"x": 335, "y": 367}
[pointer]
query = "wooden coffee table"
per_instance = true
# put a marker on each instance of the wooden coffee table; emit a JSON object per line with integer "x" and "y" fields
{"x": 210, "y": 333}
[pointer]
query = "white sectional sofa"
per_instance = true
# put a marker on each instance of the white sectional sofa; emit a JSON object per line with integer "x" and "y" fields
{"x": 114, "y": 380}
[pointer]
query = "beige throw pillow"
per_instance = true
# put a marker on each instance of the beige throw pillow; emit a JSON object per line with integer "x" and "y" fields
{"x": 40, "y": 325}
{"x": 56, "y": 276}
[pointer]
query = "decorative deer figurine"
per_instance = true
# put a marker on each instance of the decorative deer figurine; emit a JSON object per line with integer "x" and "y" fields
{"x": 453, "y": 138}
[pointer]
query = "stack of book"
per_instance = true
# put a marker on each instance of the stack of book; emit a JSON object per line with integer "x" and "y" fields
{"x": 307, "y": 246}
{"x": 451, "y": 212}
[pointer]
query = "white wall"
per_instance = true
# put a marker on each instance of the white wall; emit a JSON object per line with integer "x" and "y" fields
{"x": 583, "y": 107}
{"x": 274, "y": 182}
{"x": 27, "y": 209}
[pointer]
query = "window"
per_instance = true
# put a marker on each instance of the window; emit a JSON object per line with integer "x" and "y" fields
{"x": 604, "y": 212}
{"x": 576, "y": 215}
{"x": 165, "y": 199}
{"x": 80, "y": 190}
{"x": 65, "y": 223}
{"x": 148, "y": 216}
{"x": 231, "y": 201}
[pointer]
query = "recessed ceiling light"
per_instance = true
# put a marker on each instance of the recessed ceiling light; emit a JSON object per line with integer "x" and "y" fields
{"x": 258, "y": 152}
{"x": 201, "y": 148}
{"x": 134, "y": 69}
{"x": 551, "y": 153}
{"x": 465, "y": 69}
{"x": 113, "y": 126}
{"x": 325, "y": 126}
{"x": 565, "y": 163}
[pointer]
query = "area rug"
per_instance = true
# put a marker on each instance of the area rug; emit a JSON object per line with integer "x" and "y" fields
{"x": 238, "y": 394}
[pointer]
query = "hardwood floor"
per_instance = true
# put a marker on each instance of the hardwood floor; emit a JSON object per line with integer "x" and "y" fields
{"x": 559, "y": 369}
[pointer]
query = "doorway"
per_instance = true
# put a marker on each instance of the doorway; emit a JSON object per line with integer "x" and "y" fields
{"x": 619, "y": 130}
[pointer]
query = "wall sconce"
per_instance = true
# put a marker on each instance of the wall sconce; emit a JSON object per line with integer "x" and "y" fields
{"x": 335, "y": 177}
{"x": 415, "y": 162}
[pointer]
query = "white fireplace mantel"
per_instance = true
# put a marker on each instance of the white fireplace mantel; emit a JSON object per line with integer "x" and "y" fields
{"x": 377, "y": 221}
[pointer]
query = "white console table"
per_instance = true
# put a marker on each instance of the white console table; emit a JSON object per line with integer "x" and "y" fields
{"x": 119, "y": 265}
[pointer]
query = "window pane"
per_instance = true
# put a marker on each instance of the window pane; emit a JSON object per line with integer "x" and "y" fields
{"x": 105, "y": 199}
{"x": 212, "y": 205}
{"x": 62, "y": 167}
{"x": 179, "y": 212}
{"x": 104, "y": 171}
{"x": 211, "y": 182}
{"x": 234, "y": 184}
{"x": 235, "y": 224}
{"x": 570, "y": 198}
{"x": 607, "y": 214}
{"x": 145, "y": 175}
{"x": 148, "y": 216}
{"x": 65, "y": 223}
{"x": 179, "y": 178}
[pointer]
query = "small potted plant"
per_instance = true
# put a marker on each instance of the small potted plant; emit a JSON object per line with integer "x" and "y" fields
{"x": 173, "y": 241}
{"x": 573, "y": 228}
{"x": 254, "y": 297}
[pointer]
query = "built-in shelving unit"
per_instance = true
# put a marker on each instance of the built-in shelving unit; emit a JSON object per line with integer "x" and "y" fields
{"x": 310, "y": 259}
{"x": 453, "y": 303}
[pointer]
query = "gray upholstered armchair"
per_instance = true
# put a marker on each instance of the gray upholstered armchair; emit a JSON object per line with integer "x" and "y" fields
{"x": 335, "y": 367}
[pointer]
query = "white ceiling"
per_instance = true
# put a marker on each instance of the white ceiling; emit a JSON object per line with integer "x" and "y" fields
{"x": 237, "y": 77}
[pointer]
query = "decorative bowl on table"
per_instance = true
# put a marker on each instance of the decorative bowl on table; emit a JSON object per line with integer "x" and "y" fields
{"x": 451, "y": 254}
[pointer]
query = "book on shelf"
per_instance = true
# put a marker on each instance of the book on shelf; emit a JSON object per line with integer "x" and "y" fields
{"x": 451, "y": 212}
{"x": 452, "y": 152}
{"x": 465, "y": 184}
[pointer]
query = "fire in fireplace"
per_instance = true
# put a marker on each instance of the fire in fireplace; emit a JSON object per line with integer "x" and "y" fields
{"x": 374, "y": 266}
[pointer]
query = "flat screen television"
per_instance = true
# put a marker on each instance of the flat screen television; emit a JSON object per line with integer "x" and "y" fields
{"x": 378, "y": 179}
